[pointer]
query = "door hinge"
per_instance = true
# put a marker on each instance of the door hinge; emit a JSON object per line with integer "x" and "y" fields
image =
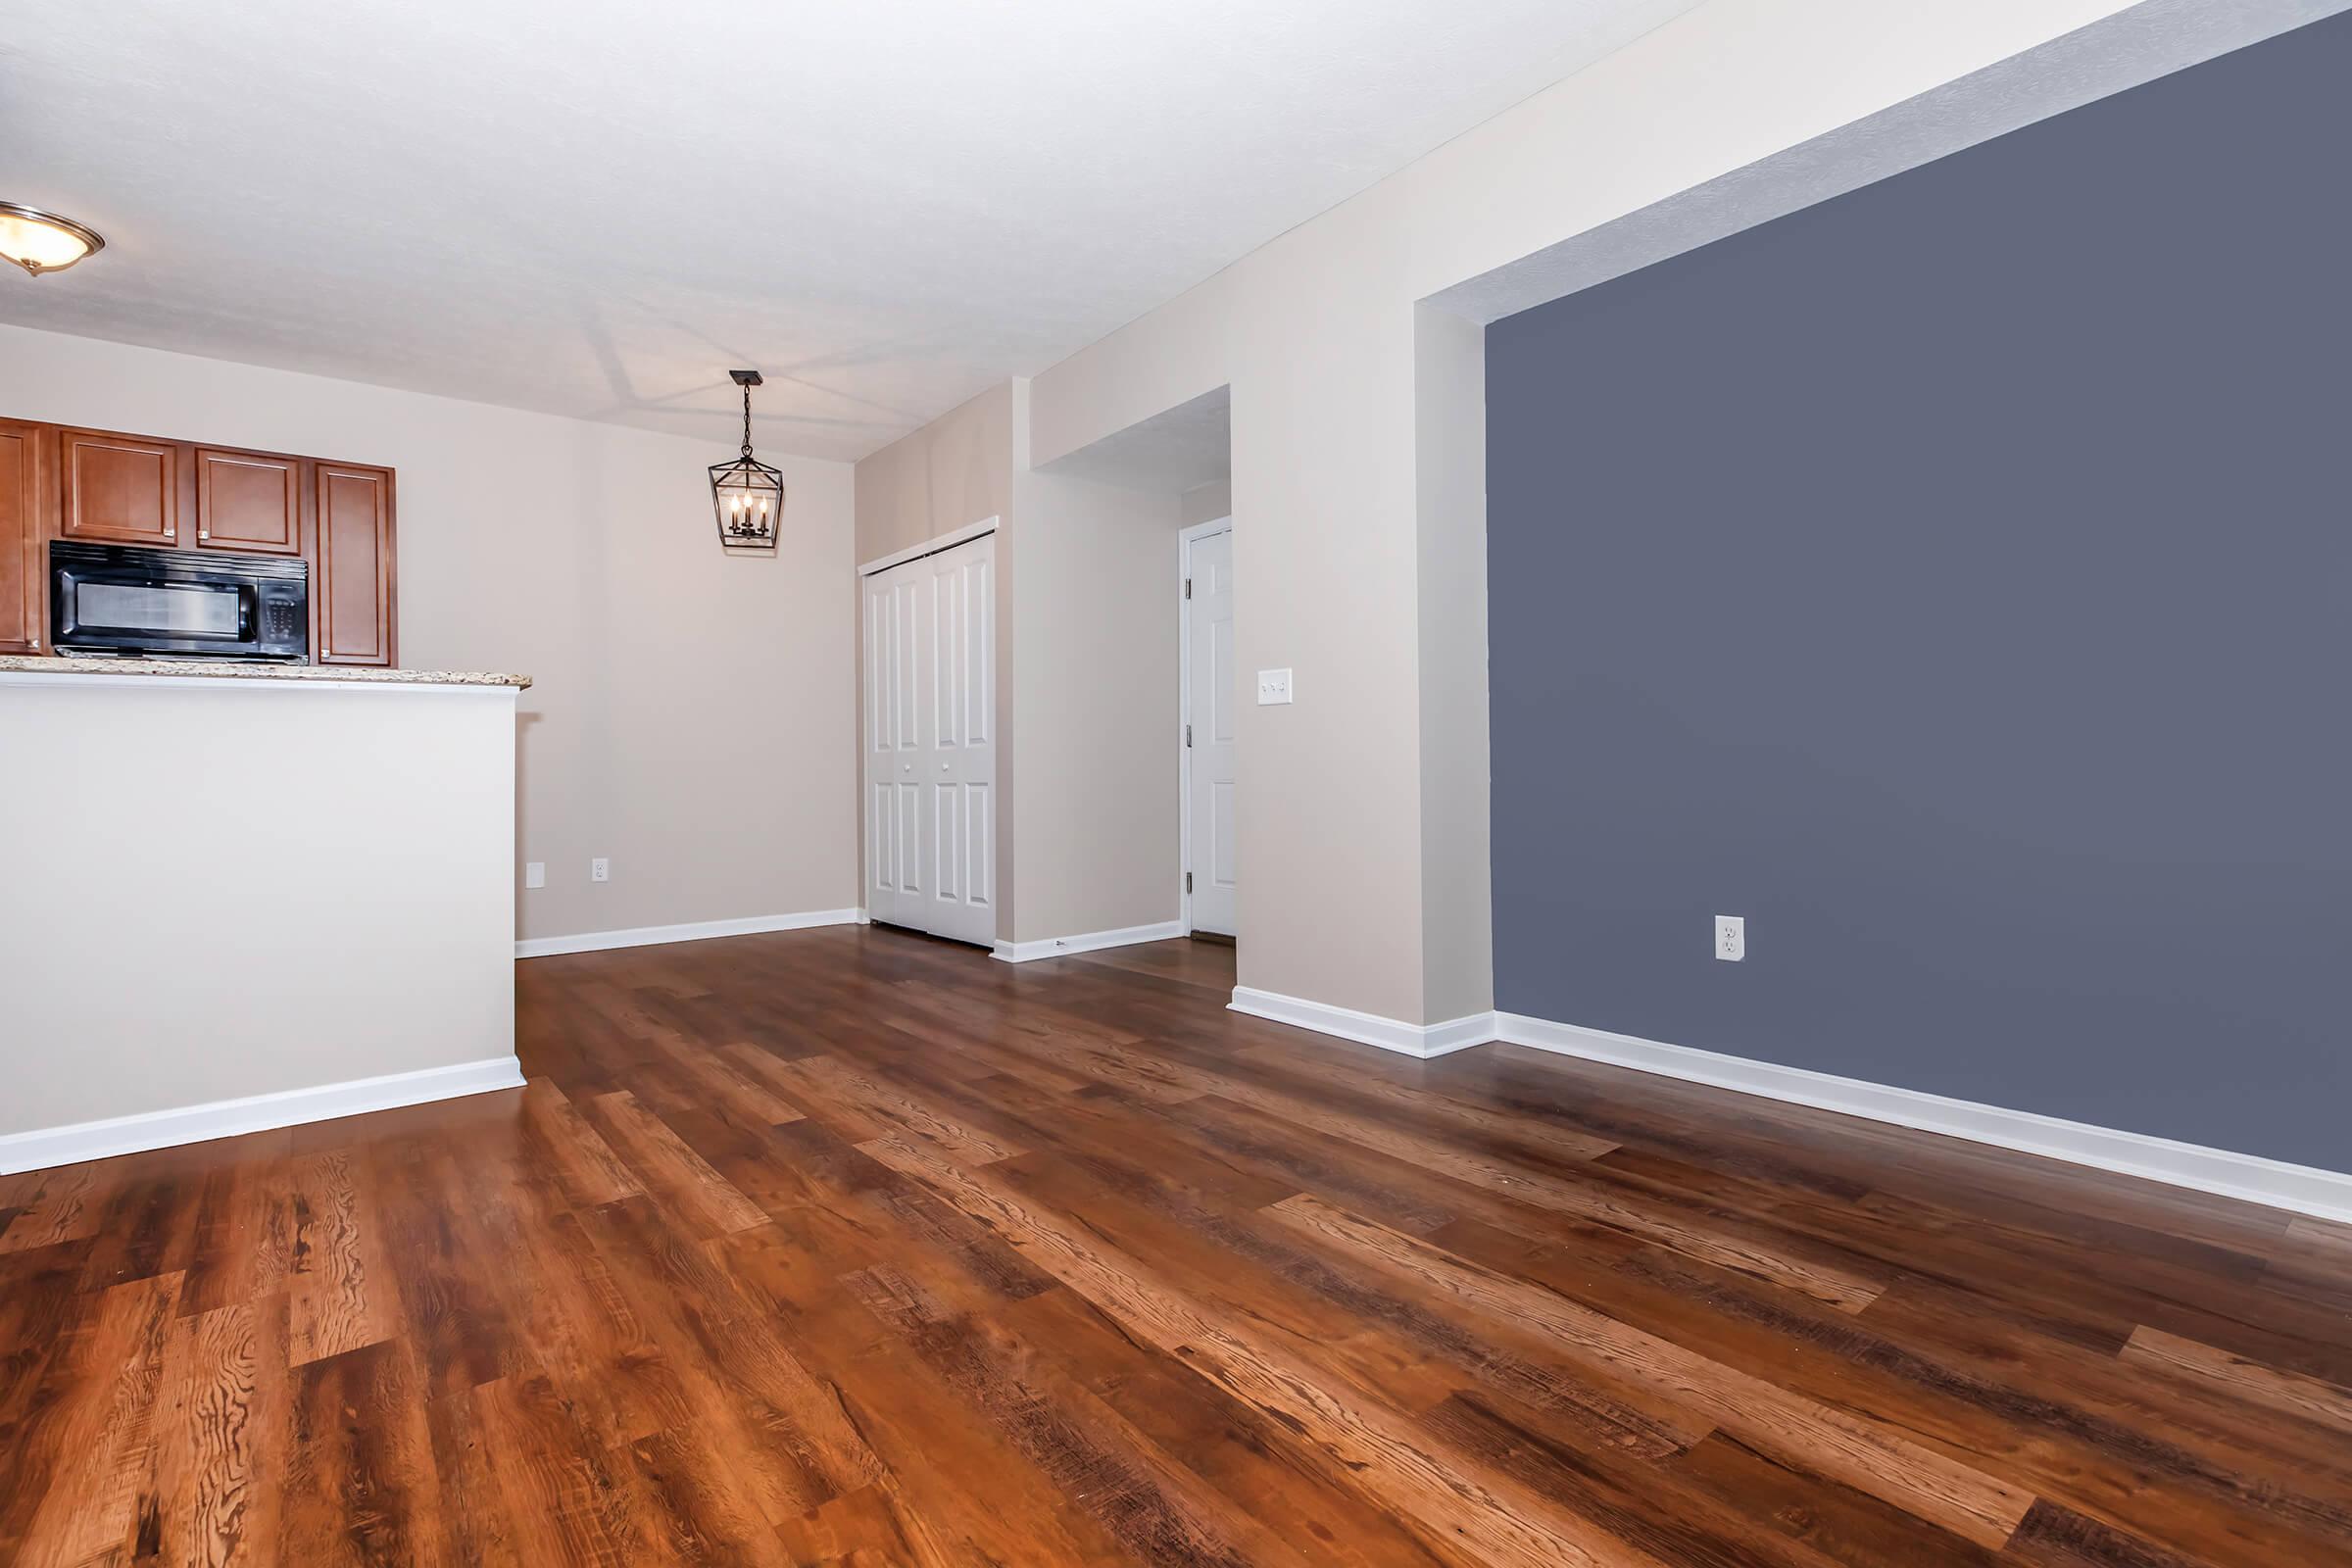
{"x": 1188, "y": 734}
{"x": 1187, "y": 881}
{"x": 1188, "y": 587}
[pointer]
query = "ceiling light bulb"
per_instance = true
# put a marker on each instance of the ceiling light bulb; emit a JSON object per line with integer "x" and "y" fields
{"x": 43, "y": 242}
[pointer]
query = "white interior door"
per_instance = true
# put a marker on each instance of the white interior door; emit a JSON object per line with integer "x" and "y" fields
{"x": 1210, "y": 693}
{"x": 931, "y": 746}
{"x": 957, "y": 832}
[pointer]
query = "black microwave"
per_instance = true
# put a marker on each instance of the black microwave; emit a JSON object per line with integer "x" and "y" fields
{"x": 180, "y": 604}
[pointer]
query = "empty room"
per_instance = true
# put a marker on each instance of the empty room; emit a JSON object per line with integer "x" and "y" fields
{"x": 1558, "y": 782}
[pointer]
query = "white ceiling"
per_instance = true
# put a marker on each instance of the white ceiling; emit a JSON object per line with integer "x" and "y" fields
{"x": 596, "y": 207}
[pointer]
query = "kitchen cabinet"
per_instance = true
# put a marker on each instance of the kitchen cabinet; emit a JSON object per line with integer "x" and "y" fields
{"x": 23, "y": 466}
{"x": 248, "y": 501}
{"x": 353, "y": 584}
{"x": 118, "y": 489}
{"x": 110, "y": 488}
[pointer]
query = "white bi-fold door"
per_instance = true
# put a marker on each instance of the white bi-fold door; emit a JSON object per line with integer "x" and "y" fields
{"x": 931, "y": 743}
{"x": 1209, "y": 686}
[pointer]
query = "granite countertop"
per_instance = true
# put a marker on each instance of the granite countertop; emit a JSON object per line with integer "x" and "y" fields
{"x": 222, "y": 669}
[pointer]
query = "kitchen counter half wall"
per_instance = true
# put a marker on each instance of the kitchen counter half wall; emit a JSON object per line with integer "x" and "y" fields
{"x": 270, "y": 896}
{"x": 222, "y": 670}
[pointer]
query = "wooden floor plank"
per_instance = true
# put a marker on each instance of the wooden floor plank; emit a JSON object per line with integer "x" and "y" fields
{"x": 217, "y": 1452}
{"x": 359, "y": 1483}
{"x": 80, "y": 1484}
{"x": 575, "y": 1154}
{"x": 65, "y": 1206}
{"x": 2311, "y": 1397}
{"x": 341, "y": 1292}
{"x": 1869, "y": 1455}
{"x": 664, "y": 1162}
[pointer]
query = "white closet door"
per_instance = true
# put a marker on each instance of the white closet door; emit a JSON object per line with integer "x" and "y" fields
{"x": 931, "y": 743}
{"x": 959, "y": 819}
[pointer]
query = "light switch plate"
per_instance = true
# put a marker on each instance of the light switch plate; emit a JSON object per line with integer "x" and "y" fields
{"x": 534, "y": 874}
{"x": 1273, "y": 686}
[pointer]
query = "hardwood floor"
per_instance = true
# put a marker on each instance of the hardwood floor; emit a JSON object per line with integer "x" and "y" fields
{"x": 847, "y": 1247}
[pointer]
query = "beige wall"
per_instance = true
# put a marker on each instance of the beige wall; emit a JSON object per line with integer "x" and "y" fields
{"x": 1343, "y": 793}
{"x": 1206, "y": 503}
{"x": 1096, "y": 672}
{"x": 686, "y": 718}
{"x": 326, "y": 896}
{"x": 953, "y": 472}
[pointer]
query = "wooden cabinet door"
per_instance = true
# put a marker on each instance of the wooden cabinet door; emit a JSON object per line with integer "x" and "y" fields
{"x": 354, "y": 590}
{"x": 248, "y": 501}
{"x": 119, "y": 489}
{"x": 21, "y": 579}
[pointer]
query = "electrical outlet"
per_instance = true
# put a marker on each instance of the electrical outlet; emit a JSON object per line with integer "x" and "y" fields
{"x": 1273, "y": 686}
{"x": 534, "y": 874}
{"x": 1731, "y": 938}
{"x": 600, "y": 870}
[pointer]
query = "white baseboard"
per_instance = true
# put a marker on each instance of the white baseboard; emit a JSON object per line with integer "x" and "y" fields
{"x": 2304, "y": 1189}
{"x": 1089, "y": 942}
{"x": 1367, "y": 1028}
{"x": 45, "y": 1147}
{"x": 645, "y": 936}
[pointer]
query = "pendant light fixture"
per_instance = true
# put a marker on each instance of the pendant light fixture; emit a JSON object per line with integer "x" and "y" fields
{"x": 746, "y": 494}
{"x": 43, "y": 242}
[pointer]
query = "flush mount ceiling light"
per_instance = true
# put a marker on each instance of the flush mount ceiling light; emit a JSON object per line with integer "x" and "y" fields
{"x": 43, "y": 242}
{"x": 746, "y": 494}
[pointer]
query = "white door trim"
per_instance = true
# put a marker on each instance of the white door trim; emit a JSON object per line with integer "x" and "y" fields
{"x": 1184, "y": 706}
{"x": 929, "y": 547}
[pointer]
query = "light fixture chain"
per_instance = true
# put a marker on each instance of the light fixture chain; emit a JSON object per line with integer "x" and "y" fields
{"x": 747, "y": 419}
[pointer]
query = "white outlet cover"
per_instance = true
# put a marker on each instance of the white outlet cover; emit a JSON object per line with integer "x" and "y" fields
{"x": 1273, "y": 686}
{"x": 600, "y": 870}
{"x": 1731, "y": 938}
{"x": 534, "y": 874}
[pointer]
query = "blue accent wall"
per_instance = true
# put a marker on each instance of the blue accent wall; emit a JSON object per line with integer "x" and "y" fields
{"x": 1955, "y": 580}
